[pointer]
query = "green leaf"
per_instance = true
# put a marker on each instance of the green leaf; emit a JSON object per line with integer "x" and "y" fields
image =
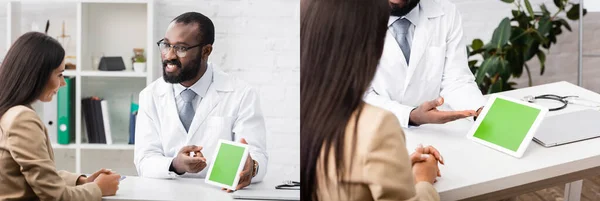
{"x": 508, "y": 1}
{"x": 565, "y": 23}
{"x": 529, "y": 8}
{"x": 489, "y": 46}
{"x": 505, "y": 70}
{"x": 559, "y": 3}
{"x": 544, "y": 25}
{"x": 516, "y": 13}
{"x": 531, "y": 49}
{"x": 518, "y": 36}
{"x": 490, "y": 66}
{"x": 538, "y": 37}
{"x": 522, "y": 19}
{"x": 544, "y": 9}
{"x": 476, "y": 52}
{"x": 477, "y": 44}
{"x": 573, "y": 13}
{"x": 501, "y": 34}
{"x": 472, "y": 66}
{"x": 496, "y": 86}
{"x": 542, "y": 56}
{"x": 551, "y": 38}
{"x": 472, "y": 63}
{"x": 514, "y": 57}
{"x": 485, "y": 66}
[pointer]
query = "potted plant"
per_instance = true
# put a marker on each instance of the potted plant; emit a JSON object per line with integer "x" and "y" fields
{"x": 518, "y": 39}
{"x": 139, "y": 60}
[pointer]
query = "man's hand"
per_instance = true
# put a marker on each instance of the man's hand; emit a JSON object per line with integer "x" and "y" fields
{"x": 477, "y": 113}
{"x": 427, "y": 113}
{"x": 246, "y": 174}
{"x": 184, "y": 162}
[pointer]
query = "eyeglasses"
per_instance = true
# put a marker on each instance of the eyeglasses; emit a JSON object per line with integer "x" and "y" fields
{"x": 180, "y": 51}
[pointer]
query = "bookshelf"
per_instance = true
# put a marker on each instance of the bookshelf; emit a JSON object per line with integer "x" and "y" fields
{"x": 96, "y": 28}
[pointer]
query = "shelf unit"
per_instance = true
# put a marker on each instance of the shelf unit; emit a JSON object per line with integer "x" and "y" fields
{"x": 101, "y": 27}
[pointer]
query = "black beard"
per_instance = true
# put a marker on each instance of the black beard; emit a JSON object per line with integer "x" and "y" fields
{"x": 399, "y": 12}
{"x": 187, "y": 73}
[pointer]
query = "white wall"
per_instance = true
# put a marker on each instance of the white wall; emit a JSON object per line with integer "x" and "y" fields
{"x": 32, "y": 14}
{"x": 481, "y": 17}
{"x": 3, "y": 29}
{"x": 256, "y": 41}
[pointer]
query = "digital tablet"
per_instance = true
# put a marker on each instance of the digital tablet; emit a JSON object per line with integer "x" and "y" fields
{"x": 227, "y": 164}
{"x": 507, "y": 125}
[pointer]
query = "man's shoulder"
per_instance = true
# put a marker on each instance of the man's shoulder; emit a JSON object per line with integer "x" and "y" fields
{"x": 229, "y": 83}
{"x": 154, "y": 88}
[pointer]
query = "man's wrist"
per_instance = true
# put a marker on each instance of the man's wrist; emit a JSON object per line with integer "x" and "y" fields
{"x": 254, "y": 168}
{"x": 172, "y": 168}
{"x": 410, "y": 121}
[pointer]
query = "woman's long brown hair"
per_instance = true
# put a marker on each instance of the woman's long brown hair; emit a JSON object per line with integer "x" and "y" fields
{"x": 341, "y": 42}
{"x": 26, "y": 69}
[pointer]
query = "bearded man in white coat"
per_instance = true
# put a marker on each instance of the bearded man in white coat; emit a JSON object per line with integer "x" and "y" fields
{"x": 184, "y": 114}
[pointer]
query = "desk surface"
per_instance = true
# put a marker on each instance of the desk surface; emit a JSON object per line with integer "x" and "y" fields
{"x": 138, "y": 188}
{"x": 473, "y": 169}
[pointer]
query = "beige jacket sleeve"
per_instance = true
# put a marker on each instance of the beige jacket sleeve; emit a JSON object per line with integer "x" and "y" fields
{"x": 27, "y": 144}
{"x": 388, "y": 168}
{"x": 70, "y": 178}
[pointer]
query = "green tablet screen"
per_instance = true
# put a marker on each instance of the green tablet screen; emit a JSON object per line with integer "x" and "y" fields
{"x": 506, "y": 124}
{"x": 226, "y": 164}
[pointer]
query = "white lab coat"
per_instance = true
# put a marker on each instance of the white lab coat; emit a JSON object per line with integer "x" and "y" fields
{"x": 230, "y": 111}
{"x": 438, "y": 66}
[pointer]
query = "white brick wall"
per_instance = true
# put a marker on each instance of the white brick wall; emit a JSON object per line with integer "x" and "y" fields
{"x": 481, "y": 17}
{"x": 3, "y": 29}
{"x": 256, "y": 41}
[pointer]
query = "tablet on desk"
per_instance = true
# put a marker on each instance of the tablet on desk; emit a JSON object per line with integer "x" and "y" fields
{"x": 227, "y": 164}
{"x": 507, "y": 124}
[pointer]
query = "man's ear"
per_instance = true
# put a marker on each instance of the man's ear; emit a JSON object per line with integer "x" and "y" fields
{"x": 206, "y": 50}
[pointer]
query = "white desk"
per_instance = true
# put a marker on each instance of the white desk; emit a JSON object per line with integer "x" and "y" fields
{"x": 138, "y": 188}
{"x": 473, "y": 170}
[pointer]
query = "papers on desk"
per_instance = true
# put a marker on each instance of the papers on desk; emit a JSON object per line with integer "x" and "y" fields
{"x": 267, "y": 194}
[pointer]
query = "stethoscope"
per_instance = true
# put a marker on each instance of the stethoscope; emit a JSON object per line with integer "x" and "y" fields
{"x": 565, "y": 100}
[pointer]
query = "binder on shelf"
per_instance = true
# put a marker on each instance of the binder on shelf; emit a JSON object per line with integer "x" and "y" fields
{"x": 132, "y": 119}
{"x": 65, "y": 111}
{"x": 86, "y": 106}
{"x": 49, "y": 118}
{"x": 100, "y": 136}
{"x": 106, "y": 121}
{"x": 97, "y": 120}
{"x": 133, "y": 111}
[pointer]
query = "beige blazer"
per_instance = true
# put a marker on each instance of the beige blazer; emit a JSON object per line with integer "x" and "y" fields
{"x": 27, "y": 169}
{"x": 379, "y": 168}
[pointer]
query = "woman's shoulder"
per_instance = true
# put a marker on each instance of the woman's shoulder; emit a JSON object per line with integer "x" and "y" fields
{"x": 374, "y": 124}
{"x": 372, "y": 118}
{"x": 16, "y": 113}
